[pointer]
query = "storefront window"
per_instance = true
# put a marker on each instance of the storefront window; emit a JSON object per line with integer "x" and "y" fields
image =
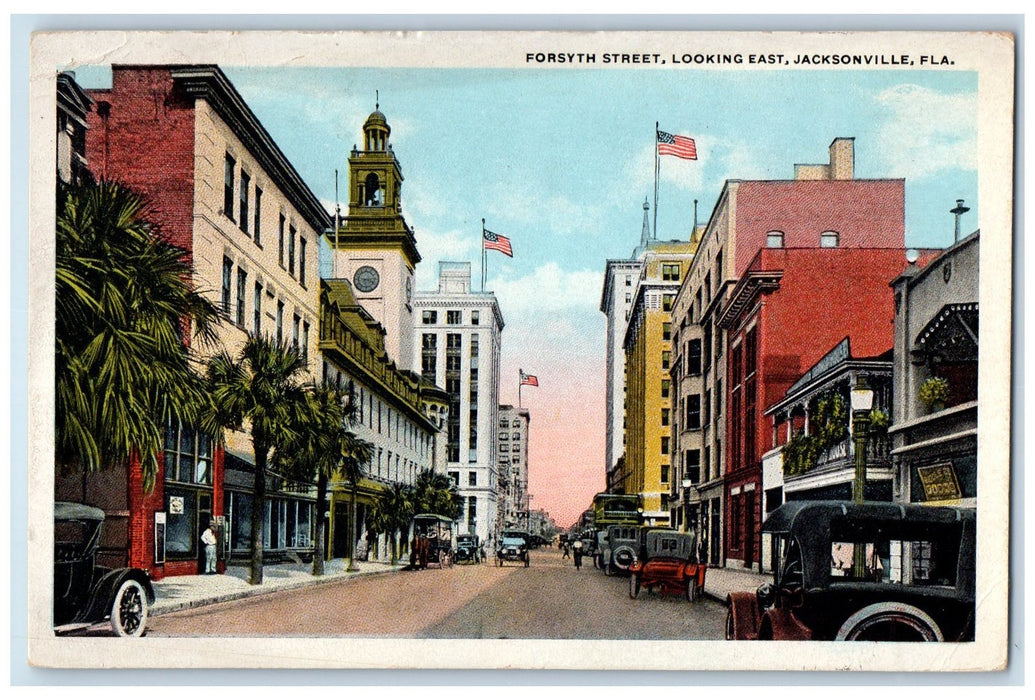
{"x": 181, "y": 513}
{"x": 188, "y": 455}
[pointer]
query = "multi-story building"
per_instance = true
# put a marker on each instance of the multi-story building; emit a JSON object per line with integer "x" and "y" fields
{"x": 514, "y": 425}
{"x": 620, "y": 278}
{"x": 73, "y": 104}
{"x": 752, "y": 348}
{"x": 399, "y": 413}
{"x": 459, "y": 350}
{"x": 220, "y": 189}
{"x": 934, "y": 432}
{"x": 648, "y": 385}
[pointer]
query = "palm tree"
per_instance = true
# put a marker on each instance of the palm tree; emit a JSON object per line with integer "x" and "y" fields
{"x": 391, "y": 514}
{"x": 323, "y": 448}
{"x": 263, "y": 388}
{"x": 436, "y": 493}
{"x": 124, "y": 310}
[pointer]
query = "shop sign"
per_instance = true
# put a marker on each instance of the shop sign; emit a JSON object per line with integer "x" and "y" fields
{"x": 939, "y": 482}
{"x": 176, "y": 505}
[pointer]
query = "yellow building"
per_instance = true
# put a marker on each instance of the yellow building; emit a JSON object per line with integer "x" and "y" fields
{"x": 648, "y": 355}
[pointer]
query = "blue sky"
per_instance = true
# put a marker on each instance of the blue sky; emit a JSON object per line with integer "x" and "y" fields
{"x": 560, "y": 161}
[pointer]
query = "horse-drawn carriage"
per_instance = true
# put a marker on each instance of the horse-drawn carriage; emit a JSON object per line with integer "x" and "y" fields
{"x": 431, "y": 538}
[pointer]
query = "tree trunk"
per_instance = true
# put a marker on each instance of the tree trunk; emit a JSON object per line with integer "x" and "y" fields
{"x": 258, "y": 510}
{"x": 394, "y": 542}
{"x": 321, "y": 505}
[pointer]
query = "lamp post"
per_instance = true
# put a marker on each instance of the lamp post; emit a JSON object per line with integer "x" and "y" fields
{"x": 862, "y": 402}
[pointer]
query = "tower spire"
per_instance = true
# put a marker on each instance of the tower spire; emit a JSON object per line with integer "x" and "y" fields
{"x": 377, "y": 99}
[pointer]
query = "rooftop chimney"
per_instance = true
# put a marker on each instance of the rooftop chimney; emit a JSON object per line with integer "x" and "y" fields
{"x": 959, "y": 211}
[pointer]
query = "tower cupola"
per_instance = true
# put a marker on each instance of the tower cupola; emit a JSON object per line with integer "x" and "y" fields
{"x": 376, "y": 131}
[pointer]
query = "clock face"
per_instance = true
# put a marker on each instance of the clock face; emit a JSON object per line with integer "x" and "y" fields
{"x": 366, "y": 279}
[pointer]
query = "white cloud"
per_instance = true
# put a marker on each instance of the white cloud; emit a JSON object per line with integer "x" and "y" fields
{"x": 548, "y": 289}
{"x": 455, "y": 244}
{"x": 524, "y": 206}
{"x": 927, "y": 131}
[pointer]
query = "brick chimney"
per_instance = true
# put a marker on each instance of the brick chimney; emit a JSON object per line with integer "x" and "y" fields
{"x": 840, "y": 167}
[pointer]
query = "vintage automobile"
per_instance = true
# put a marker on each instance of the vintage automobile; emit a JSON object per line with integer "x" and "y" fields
{"x": 617, "y": 548}
{"x": 866, "y": 572}
{"x": 468, "y": 550}
{"x": 667, "y": 561}
{"x": 432, "y": 538}
{"x": 86, "y": 594}
{"x": 513, "y": 547}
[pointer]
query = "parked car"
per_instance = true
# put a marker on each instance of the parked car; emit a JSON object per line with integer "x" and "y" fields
{"x": 667, "y": 561}
{"x": 618, "y": 548}
{"x": 468, "y": 550}
{"x": 872, "y": 571}
{"x": 432, "y": 538}
{"x": 513, "y": 547}
{"x": 86, "y": 594}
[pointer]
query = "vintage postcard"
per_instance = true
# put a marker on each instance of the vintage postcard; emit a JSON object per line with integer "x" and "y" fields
{"x": 520, "y": 350}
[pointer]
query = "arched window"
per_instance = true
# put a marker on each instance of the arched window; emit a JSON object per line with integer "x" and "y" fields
{"x": 774, "y": 239}
{"x": 373, "y": 191}
{"x": 829, "y": 239}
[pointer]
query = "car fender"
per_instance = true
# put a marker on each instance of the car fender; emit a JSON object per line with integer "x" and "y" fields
{"x": 743, "y": 616}
{"x": 101, "y": 595}
{"x": 781, "y": 624}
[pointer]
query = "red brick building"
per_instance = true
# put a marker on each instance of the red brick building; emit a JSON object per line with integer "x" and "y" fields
{"x": 218, "y": 187}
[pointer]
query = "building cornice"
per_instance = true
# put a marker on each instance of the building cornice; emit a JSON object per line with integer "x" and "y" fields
{"x": 752, "y": 285}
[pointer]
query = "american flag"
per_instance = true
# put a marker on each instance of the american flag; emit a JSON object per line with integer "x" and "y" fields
{"x": 494, "y": 241}
{"x": 528, "y": 379}
{"x": 675, "y": 145}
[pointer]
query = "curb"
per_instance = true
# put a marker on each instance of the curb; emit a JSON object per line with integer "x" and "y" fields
{"x": 258, "y": 591}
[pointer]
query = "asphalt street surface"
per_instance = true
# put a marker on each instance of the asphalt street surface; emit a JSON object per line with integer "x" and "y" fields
{"x": 548, "y": 600}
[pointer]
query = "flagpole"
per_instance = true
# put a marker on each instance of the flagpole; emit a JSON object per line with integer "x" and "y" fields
{"x": 520, "y": 373}
{"x": 483, "y": 255}
{"x": 657, "y": 168}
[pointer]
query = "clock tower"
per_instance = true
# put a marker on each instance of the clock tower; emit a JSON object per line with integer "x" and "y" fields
{"x": 373, "y": 248}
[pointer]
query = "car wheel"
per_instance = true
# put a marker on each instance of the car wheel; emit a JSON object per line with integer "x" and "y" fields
{"x": 634, "y": 586}
{"x": 691, "y": 589}
{"x": 596, "y": 561}
{"x": 129, "y": 610}
{"x": 526, "y": 561}
{"x": 890, "y": 622}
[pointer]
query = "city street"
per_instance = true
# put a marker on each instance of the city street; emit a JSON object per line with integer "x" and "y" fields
{"x": 548, "y": 600}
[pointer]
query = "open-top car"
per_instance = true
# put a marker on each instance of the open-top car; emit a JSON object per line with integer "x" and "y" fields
{"x": 871, "y": 571}
{"x": 468, "y": 550}
{"x": 513, "y": 547}
{"x": 86, "y": 594}
{"x": 667, "y": 562}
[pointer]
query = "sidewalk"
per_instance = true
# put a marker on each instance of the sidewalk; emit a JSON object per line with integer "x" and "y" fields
{"x": 719, "y": 582}
{"x": 181, "y": 592}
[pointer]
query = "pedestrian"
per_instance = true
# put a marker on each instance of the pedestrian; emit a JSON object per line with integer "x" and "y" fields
{"x": 577, "y": 554}
{"x": 208, "y": 538}
{"x": 567, "y": 551}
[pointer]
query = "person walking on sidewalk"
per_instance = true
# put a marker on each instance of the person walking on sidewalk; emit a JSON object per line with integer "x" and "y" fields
{"x": 208, "y": 538}
{"x": 577, "y": 554}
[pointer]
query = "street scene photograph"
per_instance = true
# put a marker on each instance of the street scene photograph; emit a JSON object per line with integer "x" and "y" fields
{"x": 605, "y": 337}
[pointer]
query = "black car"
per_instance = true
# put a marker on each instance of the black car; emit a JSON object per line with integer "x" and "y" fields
{"x": 86, "y": 594}
{"x": 468, "y": 550}
{"x": 863, "y": 572}
{"x": 513, "y": 547}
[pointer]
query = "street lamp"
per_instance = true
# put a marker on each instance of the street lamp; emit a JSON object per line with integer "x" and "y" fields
{"x": 862, "y": 402}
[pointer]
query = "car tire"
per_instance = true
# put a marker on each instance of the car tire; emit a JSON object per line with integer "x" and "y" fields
{"x": 691, "y": 589}
{"x": 634, "y": 586}
{"x": 129, "y": 610}
{"x": 890, "y": 621}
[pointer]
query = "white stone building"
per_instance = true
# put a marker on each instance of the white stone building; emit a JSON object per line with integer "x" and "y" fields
{"x": 513, "y": 465}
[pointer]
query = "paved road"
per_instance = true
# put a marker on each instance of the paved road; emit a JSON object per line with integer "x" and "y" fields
{"x": 548, "y": 600}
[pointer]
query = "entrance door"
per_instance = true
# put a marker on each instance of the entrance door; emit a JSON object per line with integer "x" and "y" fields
{"x": 341, "y": 531}
{"x": 749, "y": 529}
{"x": 204, "y": 518}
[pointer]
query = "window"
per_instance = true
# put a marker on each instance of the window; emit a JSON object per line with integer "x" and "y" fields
{"x": 305, "y": 340}
{"x": 291, "y": 250}
{"x": 257, "y": 310}
{"x": 666, "y": 302}
{"x": 246, "y": 182}
{"x": 257, "y": 226}
{"x": 241, "y": 284}
{"x": 280, "y": 323}
{"x": 429, "y": 317}
{"x": 706, "y": 408}
{"x": 829, "y": 239}
{"x": 665, "y": 445}
{"x": 228, "y": 272}
{"x": 693, "y": 357}
{"x": 472, "y": 478}
{"x": 665, "y": 468}
{"x": 453, "y": 318}
{"x": 693, "y": 412}
{"x": 188, "y": 454}
{"x": 692, "y": 468}
{"x": 474, "y": 318}
{"x": 666, "y": 331}
{"x": 774, "y": 239}
{"x": 296, "y": 331}
{"x": 670, "y": 273}
{"x": 453, "y": 341}
{"x": 455, "y": 476}
{"x": 228, "y": 186}
{"x": 628, "y": 281}
{"x": 301, "y": 260}
{"x": 665, "y": 414}
{"x": 280, "y": 241}
{"x": 666, "y": 384}
{"x": 666, "y": 359}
